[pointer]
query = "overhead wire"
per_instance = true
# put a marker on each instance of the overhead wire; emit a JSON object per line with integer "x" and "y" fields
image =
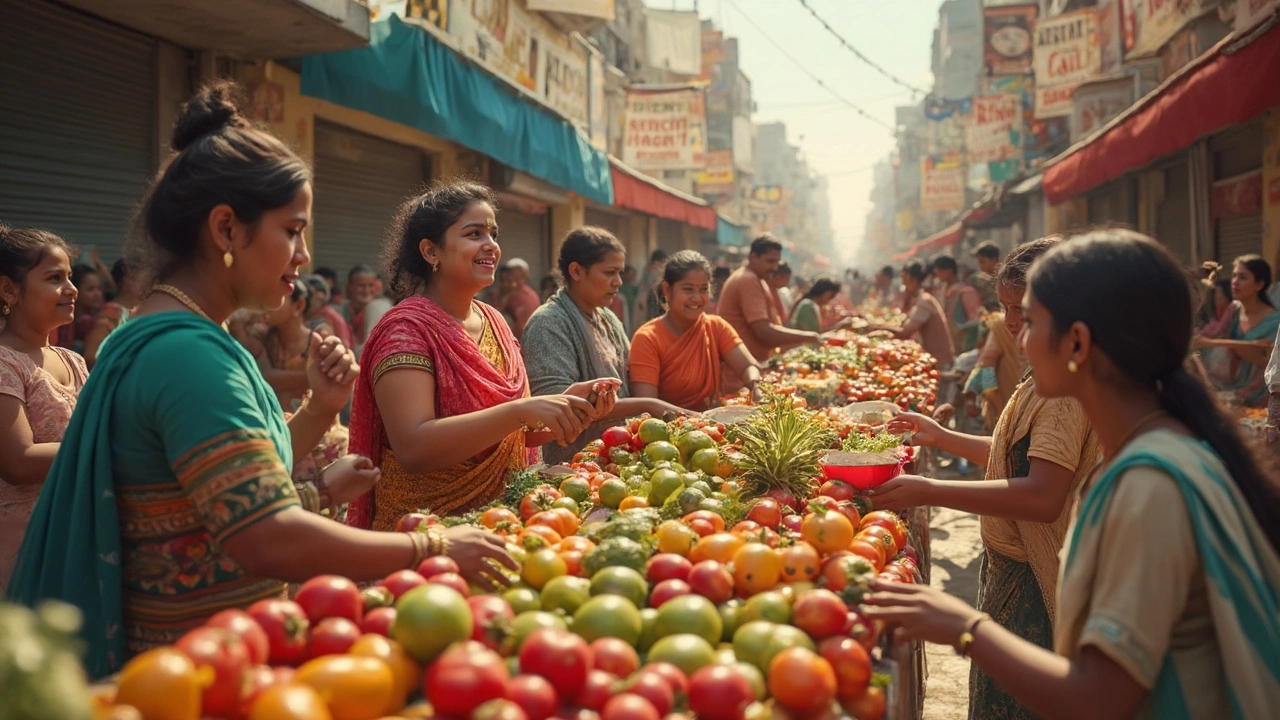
{"x": 853, "y": 106}
{"x": 860, "y": 55}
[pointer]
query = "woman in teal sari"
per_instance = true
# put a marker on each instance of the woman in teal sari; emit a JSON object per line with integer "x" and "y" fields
{"x": 1171, "y": 576}
{"x": 171, "y": 497}
{"x": 1237, "y": 353}
{"x": 807, "y": 313}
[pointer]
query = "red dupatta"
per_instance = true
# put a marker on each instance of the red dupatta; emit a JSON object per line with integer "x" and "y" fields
{"x": 466, "y": 381}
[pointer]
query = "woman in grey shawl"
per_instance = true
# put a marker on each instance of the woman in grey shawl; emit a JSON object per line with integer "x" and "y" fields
{"x": 574, "y": 337}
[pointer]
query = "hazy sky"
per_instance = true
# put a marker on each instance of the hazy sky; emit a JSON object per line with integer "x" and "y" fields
{"x": 896, "y": 34}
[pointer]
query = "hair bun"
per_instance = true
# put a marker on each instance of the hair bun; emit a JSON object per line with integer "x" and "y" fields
{"x": 214, "y": 107}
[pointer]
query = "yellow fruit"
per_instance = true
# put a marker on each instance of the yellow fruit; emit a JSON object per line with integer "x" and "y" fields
{"x": 291, "y": 701}
{"x": 676, "y": 537}
{"x": 406, "y": 673}
{"x": 163, "y": 684}
{"x": 355, "y": 688}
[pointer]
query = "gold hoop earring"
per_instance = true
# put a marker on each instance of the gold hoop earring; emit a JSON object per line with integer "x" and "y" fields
{"x": 228, "y": 259}
{"x": 1072, "y": 366}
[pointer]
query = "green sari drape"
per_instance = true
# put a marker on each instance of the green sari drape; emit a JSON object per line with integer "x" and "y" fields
{"x": 1246, "y": 380}
{"x": 73, "y": 549}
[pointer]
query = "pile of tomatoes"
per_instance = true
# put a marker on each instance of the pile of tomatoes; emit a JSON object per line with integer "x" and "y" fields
{"x": 896, "y": 371}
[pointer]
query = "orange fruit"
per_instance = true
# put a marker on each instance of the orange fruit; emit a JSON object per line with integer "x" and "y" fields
{"x": 633, "y": 501}
{"x": 800, "y": 562}
{"x": 756, "y": 568}
{"x": 720, "y": 546}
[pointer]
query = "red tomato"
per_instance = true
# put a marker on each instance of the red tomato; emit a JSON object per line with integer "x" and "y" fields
{"x": 792, "y": 522}
{"x": 653, "y": 688}
{"x": 240, "y": 624}
{"x": 838, "y": 490}
{"x": 452, "y": 580}
{"x": 746, "y": 528}
{"x": 615, "y": 656}
{"x": 596, "y": 691}
{"x": 491, "y": 620}
{"x": 767, "y": 512}
{"x": 433, "y": 566}
{"x": 534, "y": 695}
{"x": 499, "y": 709}
{"x": 889, "y": 521}
{"x": 402, "y": 581}
{"x": 712, "y": 580}
{"x": 861, "y": 630}
{"x": 464, "y": 677}
{"x": 257, "y": 680}
{"x": 667, "y": 590}
{"x": 785, "y": 499}
{"x": 850, "y": 510}
{"x": 851, "y": 663}
{"x": 629, "y": 707}
{"x": 674, "y": 676}
{"x": 228, "y": 657}
{"x": 820, "y": 613}
{"x": 720, "y": 692}
{"x": 615, "y": 436}
{"x": 285, "y": 624}
{"x": 667, "y": 566}
{"x": 410, "y": 522}
{"x": 559, "y": 656}
{"x": 869, "y": 706}
{"x": 824, "y": 502}
{"x": 379, "y": 621}
{"x": 332, "y": 636}
{"x": 376, "y": 596}
{"x": 330, "y": 596}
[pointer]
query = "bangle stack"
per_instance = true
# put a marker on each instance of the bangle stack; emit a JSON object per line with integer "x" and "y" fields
{"x": 428, "y": 543}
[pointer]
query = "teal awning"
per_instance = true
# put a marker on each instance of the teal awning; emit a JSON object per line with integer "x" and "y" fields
{"x": 729, "y": 234}
{"x": 407, "y": 76}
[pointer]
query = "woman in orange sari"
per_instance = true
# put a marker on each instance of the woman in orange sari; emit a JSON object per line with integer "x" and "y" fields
{"x": 678, "y": 356}
{"x": 442, "y": 405}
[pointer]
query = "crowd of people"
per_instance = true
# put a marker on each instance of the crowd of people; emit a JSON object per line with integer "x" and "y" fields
{"x": 224, "y": 425}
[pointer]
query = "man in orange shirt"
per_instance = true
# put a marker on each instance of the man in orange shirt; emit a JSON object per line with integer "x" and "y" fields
{"x": 747, "y": 303}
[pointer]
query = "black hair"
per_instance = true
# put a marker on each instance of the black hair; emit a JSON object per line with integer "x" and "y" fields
{"x": 360, "y": 269}
{"x": 1085, "y": 279}
{"x": 80, "y": 272}
{"x": 21, "y": 249}
{"x": 658, "y": 256}
{"x": 316, "y": 283}
{"x": 428, "y": 216}
{"x": 547, "y": 280}
{"x": 628, "y": 269}
{"x": 120, "y": 271}
{"x": 1260, "y": 270}
{"x": 221, "y": 159}
{"x": 1013, "y": 271}
{"x": 915, "y": 269}
{"x": 721, "y": 273}
{"x": 887, "y": 271}
{"x": 784, "y": 268}
{"x": 822, "y": 286}
{"x": 945, "y": 262}
{"x": 988, "y": 250}
{"x": 683, "y": 263}
{"x": 301, "y": 291}
{"x": 327, "y": 273}
{"x": 586, "y": 246}
{"x": 765, "y": 243}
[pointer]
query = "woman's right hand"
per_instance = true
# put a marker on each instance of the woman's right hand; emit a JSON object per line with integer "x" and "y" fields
{"x": 566, "y": 416}
{"x": 925, "y": 432}
{"x": 349, "y": 477}
{"x": 478, "y": 554}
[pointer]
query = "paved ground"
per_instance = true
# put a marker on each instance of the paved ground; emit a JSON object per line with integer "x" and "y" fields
{"x": 955, "y": 545}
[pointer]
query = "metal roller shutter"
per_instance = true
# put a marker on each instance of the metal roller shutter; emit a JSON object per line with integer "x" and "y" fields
{"x": 1240, "y": 235}
{"x": 360, "y": 182}
{"x": 77, "y": 123}
{"x": 527, "y": 237}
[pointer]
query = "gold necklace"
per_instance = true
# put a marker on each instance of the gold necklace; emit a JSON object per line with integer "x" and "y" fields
{"x": 183, "y": 298}
{"x": 1136, "y": 427}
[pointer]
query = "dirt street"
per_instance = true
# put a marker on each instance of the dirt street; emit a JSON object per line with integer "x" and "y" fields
{"x": 955, "y": 544}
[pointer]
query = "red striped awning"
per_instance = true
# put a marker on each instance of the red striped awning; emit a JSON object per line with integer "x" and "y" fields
{"x": 1229, "y": 85}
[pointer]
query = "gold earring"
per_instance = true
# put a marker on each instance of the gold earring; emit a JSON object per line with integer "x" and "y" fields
{"x": 4, "y": 310}
{"x": 435, "y": 267}
{"x": 1072, "y": 366}
{"x": 228, "y": 259}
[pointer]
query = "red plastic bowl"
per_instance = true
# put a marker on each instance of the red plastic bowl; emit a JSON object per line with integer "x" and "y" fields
{"x": 863, "y": 477}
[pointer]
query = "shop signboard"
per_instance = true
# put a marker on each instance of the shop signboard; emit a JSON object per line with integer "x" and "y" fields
{"x": 1054, "y": 101}
{"x": 597, "y": 107}
{"x": 1155, "y": 22}
{"x": 941, "y": 185}
{"x": 1095, "y": 104}
{"x": 712, "y": 51}
{"x": 524, "y": 49}
{"x": 767, "y": 194}
{"x": 1066, "y": 49}
{"x": 665, "y": 129}
{"x": 589, "y": 8}
{"x": 718, "y": 178}
{"x": 1110, "y": 37}
{"x": 435, "y": 12}
{"x": 1008, "y": 39}
{"x": 994, "y": 129}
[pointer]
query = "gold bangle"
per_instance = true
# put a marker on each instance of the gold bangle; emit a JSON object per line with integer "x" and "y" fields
{"x": 966, "y": 638}
{"x": 421, "y": 548}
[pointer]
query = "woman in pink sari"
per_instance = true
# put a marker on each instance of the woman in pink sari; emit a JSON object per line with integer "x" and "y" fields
{"x": 442, "y": 405}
